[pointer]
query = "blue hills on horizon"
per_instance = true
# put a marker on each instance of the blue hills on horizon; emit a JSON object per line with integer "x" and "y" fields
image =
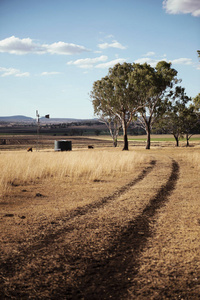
{"x": 24, "y": 119}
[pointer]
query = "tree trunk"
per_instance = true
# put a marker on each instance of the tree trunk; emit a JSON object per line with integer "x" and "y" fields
{"x": 148, "y": 131}
{"x": 187, "y": 139}
{"x": 125, "y": 142}
{"x": 115, "y": 142}
{"x": 124, "y": 125}
{"x": 177, "y": 141}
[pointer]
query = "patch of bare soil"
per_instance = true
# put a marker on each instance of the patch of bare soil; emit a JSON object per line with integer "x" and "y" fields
{"x": 94, "y": 251}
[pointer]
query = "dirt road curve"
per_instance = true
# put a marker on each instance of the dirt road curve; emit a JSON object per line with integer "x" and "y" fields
{"x": 93, "y": 252}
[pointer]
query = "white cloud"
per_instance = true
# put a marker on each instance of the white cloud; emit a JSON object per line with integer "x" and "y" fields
{"x": 64, "y": 48}
{"x": 150, "y": 53}
{"x": 88, "y": 63}
{"x": 18, "y": 46}
{"x": 49, "y": 73}
{"x": 177, "y": 61}
{"x": 13, "y": 72}
{"x": 25, "y": 74}
{"x": 182, "y": 6}
{"x": 182, "y": 61}
{"x": 148, "y": 60}
{"x": 111, "y": 63}
{"x": 185, "y": 61}
{"x": 15, "y": 45}
{"x": 110, "y": 36}
{"x": 114, "y": 44}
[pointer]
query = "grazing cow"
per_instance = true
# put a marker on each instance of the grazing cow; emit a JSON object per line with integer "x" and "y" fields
{"x": 30, "y": 149}
{"x": 90, "y": 147}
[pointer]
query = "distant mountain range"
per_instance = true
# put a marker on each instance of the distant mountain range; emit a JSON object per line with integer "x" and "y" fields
{"x": 24, "y": 119}
{"x": 16, "y": 119}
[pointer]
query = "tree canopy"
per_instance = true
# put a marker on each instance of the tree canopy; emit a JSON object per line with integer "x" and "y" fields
{"x": 115, "y": 95}
{"x": 177, "y": 119}
{"x": 129, "y": 89}
{"x": 197, "y": 103}
{"x": 153, "y": 85}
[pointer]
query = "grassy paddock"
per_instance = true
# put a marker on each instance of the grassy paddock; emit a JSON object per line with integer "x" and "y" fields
{"x": 154, "y": 137}
{"x": 163, "y": 138}
{"x": 21, "y": 167}
{"x": 193, "y": 157}
{"x": 55, "y": 242}
{"x": 166, "y": 140}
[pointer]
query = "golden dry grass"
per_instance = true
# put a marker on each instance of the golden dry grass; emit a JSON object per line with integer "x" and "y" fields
{"x": 20, "y": 167}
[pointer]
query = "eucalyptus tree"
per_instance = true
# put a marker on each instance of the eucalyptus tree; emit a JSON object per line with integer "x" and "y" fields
{"x": 153, "y": 87}
{"x": 113, "y": 124}
{"x": 115, "y": 96}
{"x": 176, "y": 119}
{"x": 192, "y": 118}
{"x": 191, "y": 122}
{"x": 196, "y": 101}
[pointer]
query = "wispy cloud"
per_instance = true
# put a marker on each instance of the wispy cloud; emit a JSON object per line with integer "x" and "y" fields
{"x": 13, "y": 72}
{"x": 64, "y": 48}
{"x": 87, "y": 63}
{"x": 182, "y": 6}
{"x": 109, "y": 36}
{"x": 25, "y": 74}
{"x": 111, "y": 63}
{"x": 49, "y": 73}
{"x": 182, "y": 61}
{"x": 186, "y": 61}
{"x": 114, "y": 44}
{"x": 97, "y": 62}
{"x": 178, "y": 61}
{"x": 15, "y": 45}
{"x": 150, "y": 53}
{"x": 148, "y": 60}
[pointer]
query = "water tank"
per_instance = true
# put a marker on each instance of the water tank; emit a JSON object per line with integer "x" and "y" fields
{"x": 63, "y": 145}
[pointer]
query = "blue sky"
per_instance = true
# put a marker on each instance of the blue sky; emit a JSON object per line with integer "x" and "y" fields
{"x": 51, "y": 51}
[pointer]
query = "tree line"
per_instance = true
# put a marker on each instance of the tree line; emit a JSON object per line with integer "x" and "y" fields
{"x": 147, "y": 96}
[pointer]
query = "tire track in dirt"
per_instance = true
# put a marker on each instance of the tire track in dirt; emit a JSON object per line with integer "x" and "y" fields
{"x": 80, "y": 211}
{"x": 111, "y": 277}
{"x": 106, "y": 276}
{"x": 8, "y": 266}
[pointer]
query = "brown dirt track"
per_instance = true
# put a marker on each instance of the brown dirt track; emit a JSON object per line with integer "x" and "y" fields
{"x": 105, "y": 249}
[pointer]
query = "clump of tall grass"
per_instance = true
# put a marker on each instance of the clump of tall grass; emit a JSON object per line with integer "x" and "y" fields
{"x": 20, "y": 168}
{"x": 194, "y": 159}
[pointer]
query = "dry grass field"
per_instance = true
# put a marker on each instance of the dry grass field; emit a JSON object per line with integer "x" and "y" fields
{"x": 100, "y": 223}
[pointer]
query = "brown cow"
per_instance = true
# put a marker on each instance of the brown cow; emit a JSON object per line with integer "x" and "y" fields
{"x": 30, "y": 149}
{"x": 90, "y": 147}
